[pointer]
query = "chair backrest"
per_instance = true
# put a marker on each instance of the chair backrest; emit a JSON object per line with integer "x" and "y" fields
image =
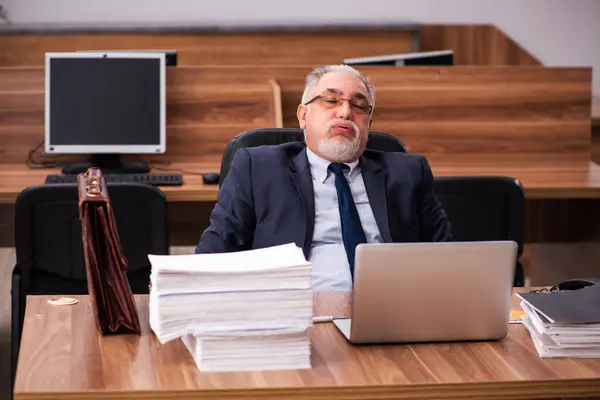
{"x": 272, "y": 136}
{"x": 49, "y": 246}
{"x": 484, "y": 208}
{"x": 48, "y": 235}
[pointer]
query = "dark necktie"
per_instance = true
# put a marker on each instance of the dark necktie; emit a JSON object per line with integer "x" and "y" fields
{"x": 352, "y": 231}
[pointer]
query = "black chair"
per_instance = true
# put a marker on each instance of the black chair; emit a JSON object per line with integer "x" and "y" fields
{"x": 272, "y": 136}
{"x": 484, "y": 208}
{"x": 49, "y": 248}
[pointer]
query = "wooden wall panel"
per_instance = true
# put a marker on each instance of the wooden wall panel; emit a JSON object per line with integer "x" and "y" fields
{"x": 201, "y": 117}
{"x": 475, "y": 45}
{"x": 456, "y": 110}
{"x": 233, "y": 48}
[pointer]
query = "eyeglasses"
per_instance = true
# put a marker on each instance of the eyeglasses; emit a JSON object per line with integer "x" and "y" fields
{"x": 329, "y": 100}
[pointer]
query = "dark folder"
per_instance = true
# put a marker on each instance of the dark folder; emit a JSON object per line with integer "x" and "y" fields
{"x": 109, "y": 290}
{"x": 581, "y": 306}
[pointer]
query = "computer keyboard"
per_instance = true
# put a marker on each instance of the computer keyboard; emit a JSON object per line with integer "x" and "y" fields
{"x": 170, "y": 179}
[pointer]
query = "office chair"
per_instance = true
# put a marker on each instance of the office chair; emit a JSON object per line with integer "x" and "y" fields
{"x": 49, "y": 247}
{"x": 484, "y": 208}
{"x": 272, "y": 136}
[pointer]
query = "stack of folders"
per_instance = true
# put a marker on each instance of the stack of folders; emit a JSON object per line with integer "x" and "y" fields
{"x": 247, "y": 310}
{"x": 564, "y": 323}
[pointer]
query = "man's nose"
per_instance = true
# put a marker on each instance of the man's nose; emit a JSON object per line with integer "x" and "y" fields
{"x": 343, "y": 110}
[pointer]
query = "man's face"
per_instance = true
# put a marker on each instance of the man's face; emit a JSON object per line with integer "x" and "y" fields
{"x": 337, "y": 124}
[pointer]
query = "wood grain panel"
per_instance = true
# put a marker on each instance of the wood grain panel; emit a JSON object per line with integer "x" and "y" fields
{"x": 454, "y": 110}
{"x": 62, "y": 355}
{"x": 287, "y": 75}
{"x": 220, "y": 104}
{"x": 241, "y": 48}
{"x": 563, "y": 176}
{"x": 489, "y": 137}
{"x": 458, "y": 110}
{"x": 434, "y": 110}
{"x": 475, "y": 45}
{"x": 201, "y": 118}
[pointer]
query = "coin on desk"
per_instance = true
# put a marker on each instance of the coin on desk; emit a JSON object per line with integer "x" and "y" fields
{"x": 62, "y": 301}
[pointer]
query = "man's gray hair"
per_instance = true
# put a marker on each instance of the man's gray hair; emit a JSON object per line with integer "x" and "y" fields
{"x": 313, "y": 78}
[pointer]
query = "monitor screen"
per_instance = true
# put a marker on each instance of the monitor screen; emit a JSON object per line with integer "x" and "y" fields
{"x": 105, "y": 103}
{"x": 441, "y": 58}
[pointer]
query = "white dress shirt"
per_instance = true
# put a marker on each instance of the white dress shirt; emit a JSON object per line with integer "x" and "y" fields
{"x": 330, "y": 268}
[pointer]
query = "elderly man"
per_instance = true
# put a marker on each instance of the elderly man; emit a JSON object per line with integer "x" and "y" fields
{"x": 329, "y": 194}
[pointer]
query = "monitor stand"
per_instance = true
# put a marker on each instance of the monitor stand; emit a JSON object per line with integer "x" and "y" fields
{"x": 108, "y": 164}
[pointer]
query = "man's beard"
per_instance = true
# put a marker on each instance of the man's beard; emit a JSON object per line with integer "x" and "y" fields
{"x": 345, "y": 150}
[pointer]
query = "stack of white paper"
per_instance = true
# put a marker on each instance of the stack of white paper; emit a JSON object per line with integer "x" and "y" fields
{"x": 247, "y": 310}
{"x": 554, "y": 339}
{"x": 250, "y": 350}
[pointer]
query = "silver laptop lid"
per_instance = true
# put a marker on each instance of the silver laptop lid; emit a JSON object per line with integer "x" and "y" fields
{"x": 421, "y": 292}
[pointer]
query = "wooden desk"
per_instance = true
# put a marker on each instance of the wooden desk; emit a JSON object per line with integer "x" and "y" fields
{"x": 545, "y": 178}
{"x": 62, "y": 356}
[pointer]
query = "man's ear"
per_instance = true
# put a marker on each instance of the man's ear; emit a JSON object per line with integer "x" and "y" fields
{"x": 301, "y": 114}
{"x": 370, "y": 120}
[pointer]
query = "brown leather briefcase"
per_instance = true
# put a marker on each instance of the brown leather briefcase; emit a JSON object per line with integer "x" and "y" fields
{"x": 109, "y": 290}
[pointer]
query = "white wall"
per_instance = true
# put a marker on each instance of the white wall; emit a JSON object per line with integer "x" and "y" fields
{"x": 558, "y": 32}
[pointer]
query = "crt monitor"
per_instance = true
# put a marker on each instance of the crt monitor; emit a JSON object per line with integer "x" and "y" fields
{"x": 105, "y": 105}
{"x": 440, "y": 58}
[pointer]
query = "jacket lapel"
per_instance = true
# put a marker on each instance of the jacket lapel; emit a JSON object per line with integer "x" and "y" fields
{"x": 374, "y": 179}
{"x": 300, "y": 169}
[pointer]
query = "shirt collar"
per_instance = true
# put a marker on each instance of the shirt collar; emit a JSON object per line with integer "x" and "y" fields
{"x": 319, "y": 167}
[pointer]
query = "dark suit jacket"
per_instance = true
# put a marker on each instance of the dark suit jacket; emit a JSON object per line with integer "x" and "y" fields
{"x": 267, "y": 199}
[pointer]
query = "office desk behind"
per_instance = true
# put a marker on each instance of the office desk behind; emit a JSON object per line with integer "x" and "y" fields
{"x": 562, "y": 194}
{"x": 542, "y": 178}
{"x": 62, "y": 356}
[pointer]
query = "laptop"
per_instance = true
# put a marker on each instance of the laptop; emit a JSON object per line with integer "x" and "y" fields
{"x": 431, "y": 292}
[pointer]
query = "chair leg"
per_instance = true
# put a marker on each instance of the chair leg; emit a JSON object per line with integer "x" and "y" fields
{"x": 519, "y": 275}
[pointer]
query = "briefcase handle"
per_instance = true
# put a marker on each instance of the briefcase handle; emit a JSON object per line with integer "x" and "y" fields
{"x": 92, "y": 186}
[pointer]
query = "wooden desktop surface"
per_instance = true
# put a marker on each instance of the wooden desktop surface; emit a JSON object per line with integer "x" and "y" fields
{"x": 63, "y": 357}
{"x": 544, "y": 178}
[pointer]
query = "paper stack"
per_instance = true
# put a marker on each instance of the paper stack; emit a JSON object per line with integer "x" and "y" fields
{"x": 250, "y": 350}
{"x": 559, "y": 324}
{"x": 247, "y": 310}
